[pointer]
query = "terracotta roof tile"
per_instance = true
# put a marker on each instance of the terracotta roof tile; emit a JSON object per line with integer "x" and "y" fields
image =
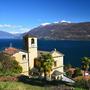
{"x": 10, "y": 50}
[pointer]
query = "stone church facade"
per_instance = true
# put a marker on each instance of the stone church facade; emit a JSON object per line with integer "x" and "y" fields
{"x": 26, "y": 57}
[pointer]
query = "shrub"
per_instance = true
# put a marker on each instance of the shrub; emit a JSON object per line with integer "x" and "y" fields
{"x": 69, "y": 74}
{"x": 83, "y": 84}
{"x": 9, "y": 66}
{"x": 77, "y": 72}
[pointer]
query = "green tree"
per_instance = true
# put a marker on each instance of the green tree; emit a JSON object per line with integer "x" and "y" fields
{"x": 83, "y": 84}
{"x": 4, "y": 56}
{"x": 85, "y": 64}
{"x": 8, "y": 65}
{"x": 44, "y": 64}
{"x": 77, "y": 72}
{"x": 67, "y": 67}
{"x": 69, "y": 74}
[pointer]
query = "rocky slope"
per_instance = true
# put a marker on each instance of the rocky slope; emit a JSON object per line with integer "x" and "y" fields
{"x": 63, "y": 31}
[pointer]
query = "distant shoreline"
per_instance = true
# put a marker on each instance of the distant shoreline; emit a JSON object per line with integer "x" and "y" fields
{"x": 47, "y": 39}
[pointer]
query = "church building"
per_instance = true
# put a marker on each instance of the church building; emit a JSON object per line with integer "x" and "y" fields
{"x": 26, "y": 57}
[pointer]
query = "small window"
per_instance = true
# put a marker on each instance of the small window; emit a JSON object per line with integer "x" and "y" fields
{"x": 55, "y": 63}
{"x": 34, "y": 62}
{"x": 32, "y": 41}
{"x": 23, "y": 57}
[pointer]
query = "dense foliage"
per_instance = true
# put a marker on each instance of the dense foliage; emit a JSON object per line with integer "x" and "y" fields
{"x": 77, "y": 72}
{"x": 67, "y": 67}
{"x": 83, "y": 84}
{"x": 8, "y": 65}
{"x": 44, "y": 64}
{"x": 85, "y": 63}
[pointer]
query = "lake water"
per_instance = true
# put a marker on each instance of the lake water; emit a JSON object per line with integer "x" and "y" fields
{"x": 73, "y": 50}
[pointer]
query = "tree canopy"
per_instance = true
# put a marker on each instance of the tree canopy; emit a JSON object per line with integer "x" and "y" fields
{"x": 45, "y": 63}
{"x": 85, "y": 63}
{"x": 8, "y": 65}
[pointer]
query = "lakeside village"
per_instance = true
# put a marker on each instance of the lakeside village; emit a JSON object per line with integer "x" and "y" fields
{"x": 49, "y": 66}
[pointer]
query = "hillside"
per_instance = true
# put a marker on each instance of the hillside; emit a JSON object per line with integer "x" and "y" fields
{"x": 63, "y": 31}
{"x": 6, "y": 35}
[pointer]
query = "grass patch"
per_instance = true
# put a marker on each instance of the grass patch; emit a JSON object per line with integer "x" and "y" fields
{"x": 26, "y": 83}
{"x": 19, "y": 86}
{"x": 79, "y": 89}
{"x": 13, "y": 85}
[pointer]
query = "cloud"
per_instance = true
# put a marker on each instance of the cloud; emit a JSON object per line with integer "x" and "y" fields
{"x": 13, "y": 32}
{"x": 44, "y": 24}
{"x": 24, "y": 29}
{"x": 14, "y": 28}
{"x": 20, "y": 30}
{"x": 9, "y": 26}
{"x": 65, "y": 21}
{"x": 56, "y": 22}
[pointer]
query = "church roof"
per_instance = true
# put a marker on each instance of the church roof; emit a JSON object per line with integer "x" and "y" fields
{"x": 12, "y": 50}
{"x": 56, "y": 53}
{"x": 29, "y": 35}
{"x": 42, "y": 52}
{"x": 56, "y": 73}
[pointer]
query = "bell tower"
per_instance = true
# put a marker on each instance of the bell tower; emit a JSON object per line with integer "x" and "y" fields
{"x": 31, "y": 48}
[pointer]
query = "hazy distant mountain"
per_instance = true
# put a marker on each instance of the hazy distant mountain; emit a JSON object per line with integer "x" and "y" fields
{"x": 62, "y": 31}
{"x": 55, "y": 31}
{"x": 18, "y": 35}
{"x": 6, "y": 35}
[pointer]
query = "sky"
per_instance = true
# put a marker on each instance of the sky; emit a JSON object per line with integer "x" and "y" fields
{"x": 18, "y": 16}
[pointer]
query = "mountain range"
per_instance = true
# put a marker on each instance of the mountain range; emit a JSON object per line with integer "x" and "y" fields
{"x": 63, "y": 31}
{"x": 6, "y": 35}
{"x": 57, "y": 31}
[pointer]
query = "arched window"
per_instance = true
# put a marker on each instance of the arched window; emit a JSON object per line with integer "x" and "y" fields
{"x": 32, "y": 41}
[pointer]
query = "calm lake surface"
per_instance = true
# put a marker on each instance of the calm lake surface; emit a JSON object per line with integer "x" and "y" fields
{"x": 73, "y": 50}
